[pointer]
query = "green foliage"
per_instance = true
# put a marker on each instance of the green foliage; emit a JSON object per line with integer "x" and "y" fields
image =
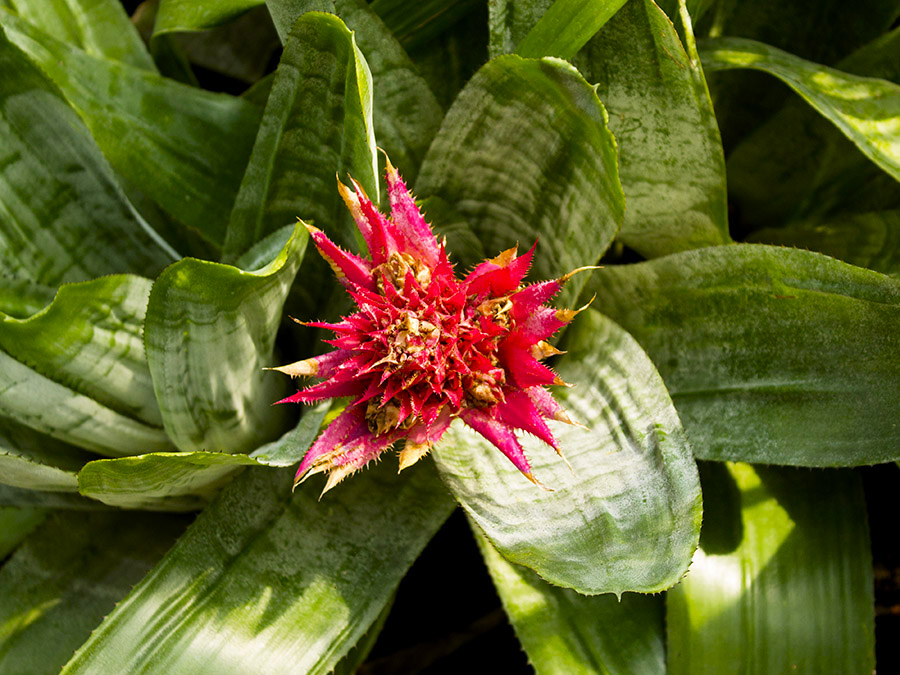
{"x": 151, "y": 260}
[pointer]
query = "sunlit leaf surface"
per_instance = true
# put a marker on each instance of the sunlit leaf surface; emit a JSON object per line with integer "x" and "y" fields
{"x": 525, "y": 155}
{"x": 67, "y": 575}
{"x": 771, "y": 355}
{"x": 627, "y": 517}
{"x": 782, "y": 581}
{"x": 210, "y": 331}
{"x": 564, "y": 632}
{"x": 267, "y": 582}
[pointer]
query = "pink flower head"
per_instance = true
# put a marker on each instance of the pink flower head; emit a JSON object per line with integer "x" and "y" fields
{"x": 424, "y": 347}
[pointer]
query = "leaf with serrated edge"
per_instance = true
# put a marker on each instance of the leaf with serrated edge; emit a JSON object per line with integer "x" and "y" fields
{"x": 627, "y": 517}
{"x": 525, "y": 154}
{"x": 89, "y": 339}
{"x": 317, "y": 122}
{"x": 406, "y": 114}
{"x": 267, "y": 582}
{"x": 210, "y": 331}
{"x": 771, "y": 355}
{"x": 46, "y": 406}
{"x": 565, "y": 632}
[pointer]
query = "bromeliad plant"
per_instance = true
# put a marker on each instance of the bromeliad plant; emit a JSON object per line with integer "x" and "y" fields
{"x": 152, "y": 256}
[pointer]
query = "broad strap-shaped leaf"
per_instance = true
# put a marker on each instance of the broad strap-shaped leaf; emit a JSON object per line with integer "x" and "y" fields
{"x": 670, "y": 154}
{"x": 192, "y": 15}
{"x": 627, "y": 517}
{"x": 62, "y": 215}
{"x": 865, "y": 110}
{"x": 17, "y": 523}
{"x": 266, "y": 582}
{"x": 210, "y": 330}
{"x": 406, "y": 114}
{"x": 89, "y": 339}
{"x": 798, "y": 165}
{"x": 37, "y": 462}
{"x": 566, "y": 27}
{"x": 771, "y": 355}
{"x": 67, "y": 576}
{"x": 99, "y": 27}
{"x": 823, "y": 31}
{"x": 350, "y": 663}
{"x": 185, "y": 481}
{"x": 870, "y": 240}
{"x": 564, "y": 632}
{"x": 174, "y": 481}
{"x": 51, "y": 408}
{"x": 184, "y": 147}
{"x": 525, "y": 154}
{"x": 783, "y": 581}
{"x": 318, "y": 121}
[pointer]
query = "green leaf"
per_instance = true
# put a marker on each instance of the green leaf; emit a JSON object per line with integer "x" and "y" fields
{"x": 785, "y": 583}
{"x": 267, "y": 582}
{"x": 16, "y": 524}
{"x": 89, "y": 339}
{"x": 292, "y": 446}
{"x": 99, "y": 27}
{"x": 31, "y": 460}
{"x": 21, "y": 298}
{"x": 798, "y": 165}
{"x": 627, "y": 517}
{"x": 525, "y": 153}
{"x": 192, "y": 15}
{"x": 210, "y": 330}
{"x": 771, "y": 355}
{"x": 670, "y": 154}
{"x": 509, "y": 21}
{"x": 186, "y": 481}
{"x": 60, "y": 206}
{"x": 66, "y": 576}
{"x": 406, "y": 113}
{"x": 865, "y": 110}
{"x": 566, "y": 27}
{"x": 564, "y": 632}
{"x": 415, "y": 24}
{"x": 172, "y": 481}
{"x": 51, "y": 408}
{"x": 448, "y": 60}
{"x": 186, "y": 148}
{"x": 352, "y": 660}
{"x": 318, "y": 121}
{"x": 870, "y": 240}
{"x": 242, "y": 49}
{"x": 823, "y": 31}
